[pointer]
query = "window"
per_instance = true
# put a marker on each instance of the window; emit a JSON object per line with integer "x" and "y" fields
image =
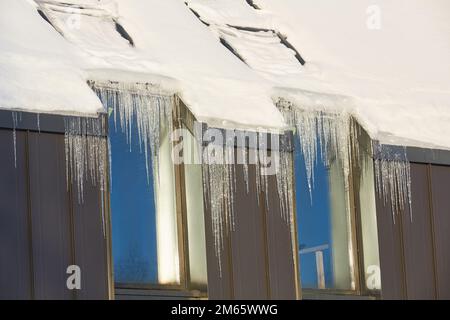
{"x": 145, "y": 244}
{"x": 369, "y": 231}
{"x": 323, "y": 226}
{"x": 93, "y": 28}
{"x": 337, "y": 221}
{"x": 158, "y": 239}
{"x": 194, "y": 210}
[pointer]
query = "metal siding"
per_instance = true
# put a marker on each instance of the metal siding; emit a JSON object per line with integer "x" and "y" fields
{"x": 257, "y": 261}
{"x": 417, "y": 239}
{"x": 440, "y": 186}
{"x": 391, "y": 252}
{"x": 282, "y": 273}
{"x": 90, "y": 243}
{"x": 248, "y": 244}
{"x": 15, "y": 263}
{"x": 414, "y": 255}
{"x": 219, "y": 282}
{"x": 38, "y": 216}
{"x": 51, "y": 229}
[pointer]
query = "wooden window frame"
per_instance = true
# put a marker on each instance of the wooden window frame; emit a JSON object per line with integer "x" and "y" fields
{"x": 181, "y": 118}
{"x": 355, "y": 233}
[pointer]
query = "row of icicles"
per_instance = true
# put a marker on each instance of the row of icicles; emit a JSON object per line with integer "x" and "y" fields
{"x": 337, "y": 136}
{"x": 148, "y": 108}
{"x": 86, "y": 152}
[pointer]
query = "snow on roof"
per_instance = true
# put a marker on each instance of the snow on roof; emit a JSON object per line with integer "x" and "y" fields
{"x": 390, "y": 56}
{"x": 386, "y": 64}
{"x": 217, "y": 87}
{"x": 38, "y": 71}
{"x": 394, "y": 78}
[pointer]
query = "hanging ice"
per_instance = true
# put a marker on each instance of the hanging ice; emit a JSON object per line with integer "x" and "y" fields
{"x": 142, "y": 105}
{"x": 393, "y": 180}
{"x": 219, "y": 179}
{"x": 285, "y": 186}
{"x": 336, "y": 135}
{"x": 331, "y": 135}
{"x": 86, "y": 152}
{"x": 219, "y": 185}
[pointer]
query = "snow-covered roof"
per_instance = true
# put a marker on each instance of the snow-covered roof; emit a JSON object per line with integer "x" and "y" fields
{"x": 38, "y": 68}
{"x": 386, "y": 63}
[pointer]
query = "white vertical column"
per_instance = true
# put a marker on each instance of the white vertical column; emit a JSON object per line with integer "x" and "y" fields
{"x": 166, "y": 221}
{"x": 320, "y": 270}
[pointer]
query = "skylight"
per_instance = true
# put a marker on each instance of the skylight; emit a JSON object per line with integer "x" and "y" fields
{"x": 253, "y": 4}
{"x": 263, "y": 49}
{"x": 90, "y": 27}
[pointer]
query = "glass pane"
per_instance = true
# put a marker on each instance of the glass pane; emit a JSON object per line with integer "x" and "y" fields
{"x": 144, "y": 238}
{"x": 195, "y": 213}
{"x": 369, "y": 227}
{"x": 322, "y": 220}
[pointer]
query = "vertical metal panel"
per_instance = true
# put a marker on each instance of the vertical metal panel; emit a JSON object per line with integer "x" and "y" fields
{"x": 250, "y": 268}
{"x": 391, "y": 252}
{"x": 257, "y": 261}
{"x": 15, "y": 262}
{"x": 51, "y": 230}
{"x": 90, "y": 242}
{"x": 36, "y": 217}
{"x": 440, "y": 186}
{"x": 220, "y": 283}
{"x": 414, "y": 255}
{"x": 417, "y": 239}
{"x": 282, "y": 273}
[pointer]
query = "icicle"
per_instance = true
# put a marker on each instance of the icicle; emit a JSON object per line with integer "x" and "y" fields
{"x": 285, "y": 185}
{"x": 14, "y": 119}
{"x": 245, "y": 167}
{"x": 38, "y": 120}
{"x": 258, "y": 178}
{"x": 318, "y": 131}
{"x": 393, "y": 180}
{"x": 103, "y": 213}
{"x": 338, "y": 139}
{"x": 86, "y": 153}
{"x": 110, "y": 165}
{"x": 261, "y": 166}
{"x": 219, "y": 183}
{"x": 144, "y": 106}
{"x": 219, "y": 179}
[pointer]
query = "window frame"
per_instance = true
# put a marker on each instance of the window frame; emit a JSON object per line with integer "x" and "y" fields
{"x": 354, "y": 210}
{"x": 181, "y": 118}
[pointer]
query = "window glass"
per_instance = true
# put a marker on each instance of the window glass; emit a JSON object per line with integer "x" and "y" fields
{"x": 144, "y": 235}
{"x": 323, "y": 225}
{"x": 195, "y": 213}
{"x": 369, "y": 227}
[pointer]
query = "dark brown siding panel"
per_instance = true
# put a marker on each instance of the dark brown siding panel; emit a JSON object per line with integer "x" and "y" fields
{"x": 15, "y": 274}
{"x": 440, "y": 186}
{"x": 279, "y": 245}
{"x": 391, "y": 253}
{"x": 219, "y": 283}
{"x": 248, "y": 241}
{"x": 257, "y": 261}
{"x": 90, "y": 243}
{"x": 52, "y": 248}
{"x": 38, "y": 216}
{"x": 417, "y": 239}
